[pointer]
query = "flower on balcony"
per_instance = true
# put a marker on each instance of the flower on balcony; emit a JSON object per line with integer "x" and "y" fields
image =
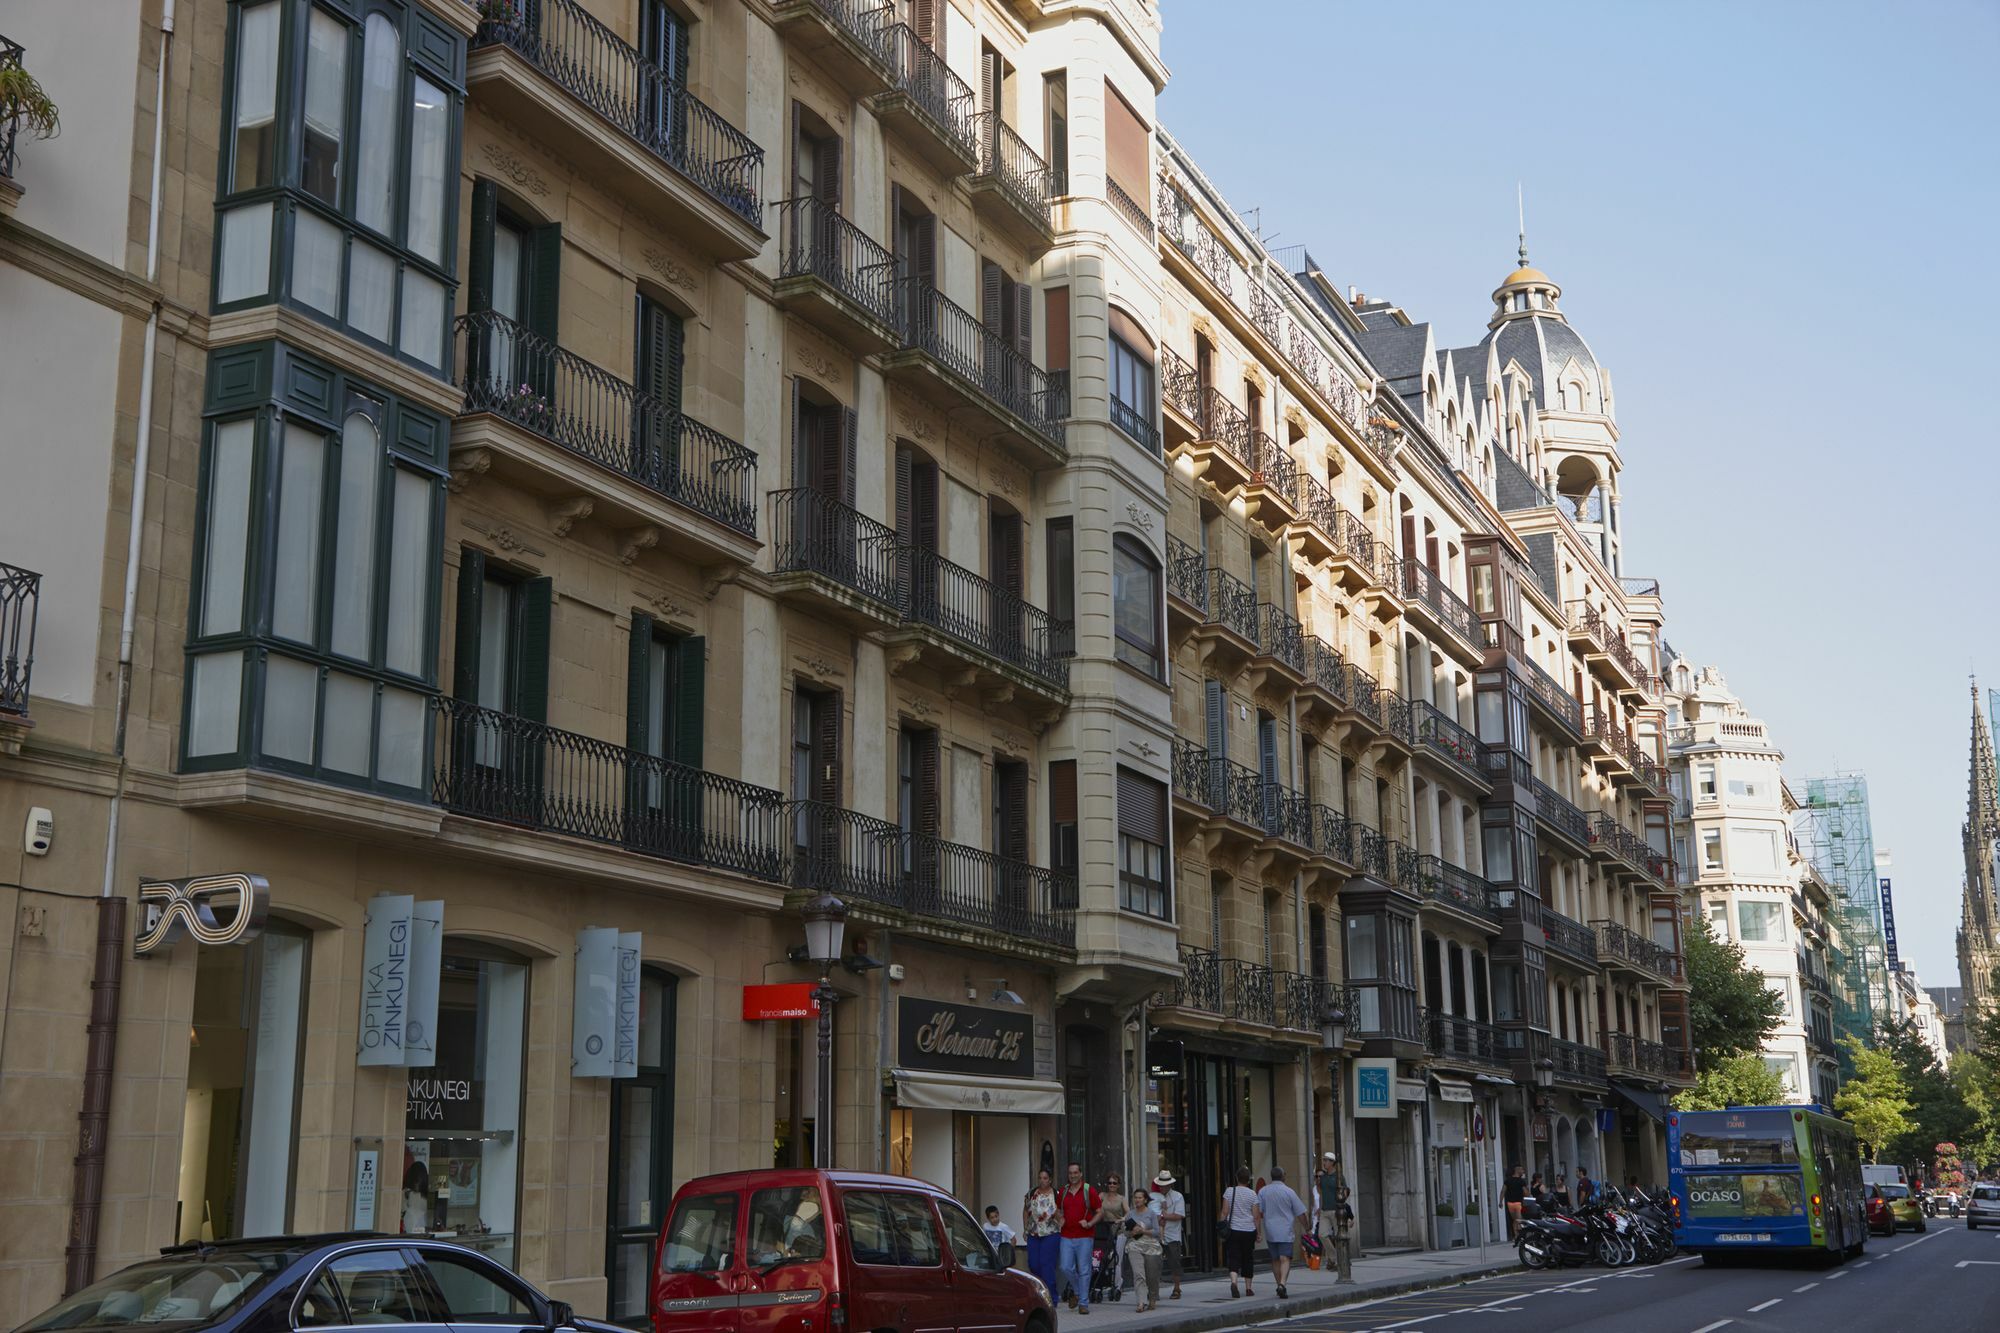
{"x": 500, "y": 12}
{"x": 526, "y": 406}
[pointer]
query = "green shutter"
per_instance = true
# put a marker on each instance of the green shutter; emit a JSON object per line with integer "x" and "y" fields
{"x": 691, "y": 664}
{"x": 465, "y": 642}
{"x": 639, "y": 682}
{"x": 485, "y": 216}
{"x": 531, "y": 672}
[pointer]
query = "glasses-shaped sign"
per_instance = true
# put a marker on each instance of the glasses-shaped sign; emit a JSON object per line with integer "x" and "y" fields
{"x": 210, "y": 909}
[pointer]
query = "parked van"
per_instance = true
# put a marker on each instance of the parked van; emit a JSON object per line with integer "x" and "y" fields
{"x": 801, "y": 1251}
{"x": 1882, "y": 1174}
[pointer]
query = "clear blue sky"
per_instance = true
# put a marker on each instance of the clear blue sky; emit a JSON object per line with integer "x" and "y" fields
{"x": 1776, "y": 223}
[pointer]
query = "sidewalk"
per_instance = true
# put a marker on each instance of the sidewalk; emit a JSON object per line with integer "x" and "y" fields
{"x": 1205, "y": 1302}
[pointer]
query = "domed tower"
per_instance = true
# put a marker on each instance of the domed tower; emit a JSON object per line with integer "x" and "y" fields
{"x": 1570, "y": 394}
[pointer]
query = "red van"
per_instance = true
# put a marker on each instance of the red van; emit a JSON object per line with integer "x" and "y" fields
{"x": 749, "y": 1251}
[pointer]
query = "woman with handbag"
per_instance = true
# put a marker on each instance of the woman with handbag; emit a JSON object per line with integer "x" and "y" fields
{"x": 1240, "y": 1217}
{"x": 1144, "y": 1249}
{"x": 1041, "y": 1223}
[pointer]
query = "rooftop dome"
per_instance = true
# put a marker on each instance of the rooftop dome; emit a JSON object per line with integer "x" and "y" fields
{"x": 1528, "y": 326}
{"x": 1526, "y": 275}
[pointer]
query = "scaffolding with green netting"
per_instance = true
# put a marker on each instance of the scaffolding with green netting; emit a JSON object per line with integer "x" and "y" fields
{"x": 1835, "y": 833}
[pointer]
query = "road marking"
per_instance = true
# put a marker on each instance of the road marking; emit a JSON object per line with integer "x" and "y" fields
{"x": 1836, "y": 1277}
{"x": 1710, "y": 1328}
{"x": 1918, "y": 1241}
{"x": 1775, "y": 1300}
{"x": 1985, "y": 1263}
{"x": 1807, "y": 1287}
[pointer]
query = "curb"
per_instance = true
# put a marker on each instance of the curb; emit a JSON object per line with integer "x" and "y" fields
{"x": 1269, "y": 1309}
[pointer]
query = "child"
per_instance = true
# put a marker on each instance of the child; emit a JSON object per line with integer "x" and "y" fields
{"x": 1001, "y": 1235}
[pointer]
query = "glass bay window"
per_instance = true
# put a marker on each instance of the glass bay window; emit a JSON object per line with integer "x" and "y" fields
{"x": 339, "y": 162}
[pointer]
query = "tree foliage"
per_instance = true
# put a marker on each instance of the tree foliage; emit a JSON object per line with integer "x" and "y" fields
{"x": 1730, "y": 1009}
{"x": 1939, "y": 1112}
{"x": 1740, "y": 1080}
{"x": 1876, "y": 1101}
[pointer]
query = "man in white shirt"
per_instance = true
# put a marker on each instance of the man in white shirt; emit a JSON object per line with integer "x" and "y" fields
{"x": 1173, "y": 1218}
{"x": 1282, "y": 1208}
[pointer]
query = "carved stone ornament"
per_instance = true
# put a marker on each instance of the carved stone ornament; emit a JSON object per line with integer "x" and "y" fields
{"x": 671, "y": 270}
{"x": 918, "y": 706}
{"x": 505, "y": 539}
{"x": 815, "y": 360}
{"x": 1144, "y": 749}
{"x": 1011, "y": 741}
{"x": 517, "y": 173}
{"x": 1142, "y": 519}
{"x": 563, "y": 514}
{"x": 467, "y": 466}
{"x": 818, "y": 666}
{"x": 917, "y": 425}
{"x": 1005, "y": 480}
{"x": 668, "y": 609}
{"x": 634, "y": 540}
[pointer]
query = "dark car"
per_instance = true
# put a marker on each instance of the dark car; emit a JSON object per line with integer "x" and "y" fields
{"x": 806, "y": 1251}
{"x": 306, "y": 1282}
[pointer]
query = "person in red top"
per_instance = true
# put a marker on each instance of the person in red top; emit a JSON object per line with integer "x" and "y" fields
{"x": 1081, "y": 1206}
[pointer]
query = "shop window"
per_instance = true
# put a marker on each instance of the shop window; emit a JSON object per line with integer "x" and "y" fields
{"x": 461, "y": 1151}
{"x": 641, "y": 1171}
{"x": 240, "y": 1118}
{"x": 369, "y": 251}
{"x": 311, "y": 645}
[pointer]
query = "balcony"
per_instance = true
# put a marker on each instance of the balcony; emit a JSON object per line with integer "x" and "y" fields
{"x": 845, "y": 38}
{"x": 1187, "y": 587}
{"x": 1443, "y": 884}
{"x": 1577, "y": 1063}
{"x": 10, "y": 58}
{"x": 1274, "y": 480}
{"x": 1547, "y": 696}
{"x": 868, "y": 861}
{"x": 834, "y": 559}
{"x": 1323, "y": 690}
{"x": 951, "y": 356}
{"x": 509, "y": 770}
{"x": 1332, "y": 836}
{"x": 1430, "y": 598}
{"x": 1249, "y": 993}
{"x": 1606, "y": 647}
{"x": 1199, "y": 986}
{"x": 1280, "y": 660}
{"x": 1383, "y": 712}
{"x": 1302, "y": 1001}
{"x": 1318, "y": 516}
{"x": 1287, "y": 820}
{"x": 1180, "y": 398}
{"x": 1464, "y": 1040}
{"x": 1561, "y": 817}
{"x": 1190, "y": 775}
{"x": 20, "y": 605}
{"x": 1012, "y": 184}
{"x": 1570, "y": 938}
{"x": 1638, "y": 1057}
{"x": 1191, "y": 242}
{"x": 1134, "y": 420}
{"x": 947, "y": 610}
{"x": 619, "y": 119}
{"x": 930, "y": 107}
{"x": 1228, "y": 627}
{"x": 1358, "y": 553}
{"x": 1125, "y": 206}
{"x": 1219, "y": 448}
{"x": 834, "y": 275}
{"x": 1619, "y": 947}
{"x": 1439, "y": 737}
{"x": 637, "y": 463}
{"x": 1236, "y": 796}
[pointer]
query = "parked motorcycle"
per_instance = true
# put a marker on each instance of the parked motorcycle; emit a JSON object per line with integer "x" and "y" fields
{"x": 1552, "y": 1240}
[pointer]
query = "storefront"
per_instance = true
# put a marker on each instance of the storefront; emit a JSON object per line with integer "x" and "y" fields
{"x": 1465, "y": 1159}
{"x": 1218, "y": 1113}
{"x": 1388, "y": 1170}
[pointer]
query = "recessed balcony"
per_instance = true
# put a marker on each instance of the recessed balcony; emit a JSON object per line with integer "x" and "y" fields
{"x": 926, "y": 106}
{"x": 597, "y": 448}
{"x": 954, "y": 359}
{"x": 834, "y": 275}
{"x": 1011, "y": 187}
{"x": 621, "y": 120}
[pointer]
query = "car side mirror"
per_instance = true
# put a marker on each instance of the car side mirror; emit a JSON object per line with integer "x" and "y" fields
{"x": 561, "y": 1315}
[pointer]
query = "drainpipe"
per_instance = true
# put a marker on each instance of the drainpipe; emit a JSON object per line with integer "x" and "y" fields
{"x": 94, "y": 1115}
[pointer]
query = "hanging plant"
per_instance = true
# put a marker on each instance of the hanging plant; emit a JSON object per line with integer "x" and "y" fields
{"x": 23, "y": 101}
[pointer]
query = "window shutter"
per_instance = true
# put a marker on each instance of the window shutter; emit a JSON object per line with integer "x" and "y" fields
{"x": 924, "y": 506}
{"x": 850, "y": 422}
{"x": 826, "y": 748}
{"x": 545, "y": 280}
{"x": 905, "y": 500}
{"x": 926, "y": 246}
{"x": 1267, "y": 745}
{"x": 1055, "y": 306}
{"x": 531, "y": 691}
{"x": 485, "y": 216}
{"x": 1012, "y": 780}
{"x": 799, "y": 150}
{"x": 992, "y": 292}
{"x": 989, "y": 79}
{"x": 1005, "y": 555}
{"x": 925, "y": 20}
{"x": 1141, "y": 811}
{"x": 465, "y": 640}
{"x": 690, "y": 698}
{"x": 925, "y": 747}
{"x": 801, "y": 452}
{"x": 1024, "y": 320}
{"x": 1409, "y": 536}
{"x": 1216, "y": 704}
{"x": 1062, "y": 791}
{"x": 1127, "y": 154}
{"x": 677, "y": 48}
{"x": 639, "y": 683}
{"x": 826, "y": 170}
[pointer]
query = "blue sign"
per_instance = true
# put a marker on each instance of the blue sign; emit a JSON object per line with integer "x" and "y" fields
{"x": 1607, "y": 1120}
{"x": 1375, "y": 1088}
{"x": 1889, "y": 925}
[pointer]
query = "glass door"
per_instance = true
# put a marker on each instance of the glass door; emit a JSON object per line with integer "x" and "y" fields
{"x": 642, "y": 1124}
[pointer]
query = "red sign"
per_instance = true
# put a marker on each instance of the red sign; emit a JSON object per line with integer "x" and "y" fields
{"x": 792, "y": 999}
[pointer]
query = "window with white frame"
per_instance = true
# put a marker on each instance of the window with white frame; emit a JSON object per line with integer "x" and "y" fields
{"x": 1704, "y": 782}
{"x": 1711, "y": 849}
{"x": 1759, "y": 922}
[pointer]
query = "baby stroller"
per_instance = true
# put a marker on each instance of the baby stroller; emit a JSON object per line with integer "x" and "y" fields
{"x": 1104, "y": 1283}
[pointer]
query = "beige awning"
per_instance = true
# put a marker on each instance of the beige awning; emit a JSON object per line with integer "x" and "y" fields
{"x": 926, "y": 1091}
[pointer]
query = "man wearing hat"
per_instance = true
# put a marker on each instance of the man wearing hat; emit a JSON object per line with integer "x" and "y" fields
{"x": 1173, "y": 1219}
{"x": 1328, "y": 1183}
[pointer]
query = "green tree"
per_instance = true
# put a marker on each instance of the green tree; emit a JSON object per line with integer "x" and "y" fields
{"x": 1741, "y": 1080}
{"x": 1730, "y": 1009}
{"x": 1938, "y": 1109}
{"x": 1876, "y": 1101}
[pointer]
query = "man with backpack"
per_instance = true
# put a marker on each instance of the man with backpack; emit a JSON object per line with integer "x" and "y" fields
{"x": 1081, "y": 1207}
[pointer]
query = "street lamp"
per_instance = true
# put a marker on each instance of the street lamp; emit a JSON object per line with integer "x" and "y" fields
{"x": 1333, "y": 1037}
{"x": 826, "y": 923}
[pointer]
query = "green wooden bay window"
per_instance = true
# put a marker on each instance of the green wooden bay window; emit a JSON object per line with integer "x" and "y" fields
{"x": 312, "y": 636}
{"x": 339, "y": 170}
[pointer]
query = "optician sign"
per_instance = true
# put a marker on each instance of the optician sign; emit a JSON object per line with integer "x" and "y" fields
{"x": 402, "y": 955}
{"x": 604, "y": 1035}
{"x": 1375, "y": 1089}
{"x": 962, "y": 1039}
{"x": 211, "y": 909}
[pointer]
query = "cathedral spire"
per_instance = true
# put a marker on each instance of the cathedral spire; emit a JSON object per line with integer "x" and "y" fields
{"x": 1982, "y": 807}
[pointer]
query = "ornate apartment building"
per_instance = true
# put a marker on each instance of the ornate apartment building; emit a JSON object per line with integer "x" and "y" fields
{"x": 549, "y": 487}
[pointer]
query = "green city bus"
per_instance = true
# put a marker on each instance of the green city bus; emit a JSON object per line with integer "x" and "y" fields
{"x": 1766, "y": 1179}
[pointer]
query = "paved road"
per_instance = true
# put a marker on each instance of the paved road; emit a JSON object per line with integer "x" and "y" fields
{"x": 1944, "y": 1281}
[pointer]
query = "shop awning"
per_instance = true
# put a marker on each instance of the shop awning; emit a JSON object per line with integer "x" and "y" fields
{"x": 923, "y": 1090}
{"x": 1500, "y": 1079}
{"x": 1643, "y": 1099}
{"x": 1451, "y": 1090}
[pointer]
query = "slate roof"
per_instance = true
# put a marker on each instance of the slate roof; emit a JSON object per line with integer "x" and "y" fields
{"x": 1543, "y": 344}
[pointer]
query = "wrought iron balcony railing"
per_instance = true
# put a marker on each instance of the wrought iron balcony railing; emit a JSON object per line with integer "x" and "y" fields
{"x": 1570, "y": 936}
{"x": 944, "y": 331}
{"x": 1248, "y": 993}
{"x": 1235, "y": 791}
{"x": 1617, "y": 941}
{"x": 1374, "y": 852}
{"x": 1353, "y": 539}
{"x": 1303, "y": 1000}
{"x": 1439, "y": 881}
{"x": 1006, "y": 159}
{"x": 1125, "y": 206}
{"x": 1180, "y": 385}
{"x": 1187, "y": 573}
{"x": 1452, "y": 1037}
{"x": 1315, "y": 502}
{"x": 1190, "y": 763}
{"x": 1550, "y": 692}
{"x": 1200, "y": 983}
{"x": 975, "y": 611}
{"x": 1180, "y": 225}
{"x": 1576, "y": 1062}
{"x": 1286, "y": 815}
{"x": 1271, "y": 467}
{"x": 814, "y": 533}
{"x": 1332, "y": 835}
{"x": 636, "y": 96}
{"x": 1267, "y": 315}
{"x": 1280, "y": 636}
{"x": 1137, "y": 422}
{"x": 1231, "y": 604}
{"x": 1325, "y": 668}
{"x": 10, "y": 58}
{"x": 1424, "y": 586}
{"x": 1438, "y": 734}
{"x": 1227, "y": 424}
{"x": 815, "y": 241}
{"x": 1558, "y": 811}
{"x": 918, "y": 72}
{"x": 568, "y": 401}
{"x": 865, "y": 21}
{"x": 20, "y": 604}
{"x": 493, "y": 765}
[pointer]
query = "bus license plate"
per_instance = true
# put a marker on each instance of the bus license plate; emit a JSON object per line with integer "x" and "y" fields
{"x": 1744, "y": 1236}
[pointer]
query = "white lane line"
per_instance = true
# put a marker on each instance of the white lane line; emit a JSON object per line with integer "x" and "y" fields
{"x": 1864, "y": 1263}
{"x": 1836, "y": 1277}
{"x": 1710, "y": 1328}
{"x": 1807, "y": 1287}
{"x": 1919, "y": 1240}
{"x": 1775, "y": 1300}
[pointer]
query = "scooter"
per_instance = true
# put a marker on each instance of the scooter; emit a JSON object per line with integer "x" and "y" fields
{"x": 1550, "y": 1240}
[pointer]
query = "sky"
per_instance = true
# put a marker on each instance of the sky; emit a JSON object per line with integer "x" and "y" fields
{"x": 1778, "y": 225}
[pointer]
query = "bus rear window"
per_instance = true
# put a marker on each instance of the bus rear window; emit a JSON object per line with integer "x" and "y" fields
{"x": 1739, "y": 1138}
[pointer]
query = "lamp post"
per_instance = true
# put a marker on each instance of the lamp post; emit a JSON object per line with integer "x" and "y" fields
{"x": 1333, "y": 1036}
{"x": 826, "y": 923}
{"x": 1545, "y": 1080}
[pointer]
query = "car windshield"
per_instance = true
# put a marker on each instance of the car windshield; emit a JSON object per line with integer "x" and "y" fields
{"x": 167, "y": 1292}
{"x": 1990, "y": 1193}
{"x": 1894, "y": 1191}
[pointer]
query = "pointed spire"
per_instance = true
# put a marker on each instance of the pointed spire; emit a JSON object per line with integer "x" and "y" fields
{"x": 1521, "y": 212}
{"x": 1983, "y": 795}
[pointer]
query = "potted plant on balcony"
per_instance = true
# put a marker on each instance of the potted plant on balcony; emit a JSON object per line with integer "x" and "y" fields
{"x": 25, "y": 104}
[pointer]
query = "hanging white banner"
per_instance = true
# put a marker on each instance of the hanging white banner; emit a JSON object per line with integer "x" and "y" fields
{"x": 625, "y": 1022}
{"x": 385, "y": 979}
{"x": 592, "y": 1028}
{"x": 426, "y": 974}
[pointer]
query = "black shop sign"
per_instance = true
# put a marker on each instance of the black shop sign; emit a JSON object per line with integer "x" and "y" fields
{"x": 961, "y": 1039}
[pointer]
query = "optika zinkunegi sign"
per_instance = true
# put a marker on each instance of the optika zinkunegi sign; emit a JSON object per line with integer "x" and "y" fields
{"x": 961, "y": 1039}
{"x": 210, "y": 909}
{"x": 402, "y": 953}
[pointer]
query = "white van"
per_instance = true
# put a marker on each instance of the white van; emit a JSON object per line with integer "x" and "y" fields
{"x": 1882, "y": 1175}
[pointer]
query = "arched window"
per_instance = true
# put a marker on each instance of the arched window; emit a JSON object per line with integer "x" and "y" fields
{"x": 1135, "y": 598}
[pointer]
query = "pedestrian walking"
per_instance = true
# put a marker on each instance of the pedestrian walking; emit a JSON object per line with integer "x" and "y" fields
{"x": 1041, "y": 1221}
{"x": 999, "y": 1235}
{"x": 1586, "y": 1192}
{"x": 1111, "y": 1231}
{"x": 1239, "y": 1217}
{"x": 1144, "y": 1247}
{"x": 1081, "y": 1204}
{"x": 1173, "y": 1227}
{"x": 1326, "y": 1189}
{"x": 1281, "y": 1208}
{"x": 1513, "y": 1194}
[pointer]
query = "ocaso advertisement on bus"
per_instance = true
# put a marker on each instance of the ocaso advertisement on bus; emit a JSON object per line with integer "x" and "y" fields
{"x": 1719, "y": 1196}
